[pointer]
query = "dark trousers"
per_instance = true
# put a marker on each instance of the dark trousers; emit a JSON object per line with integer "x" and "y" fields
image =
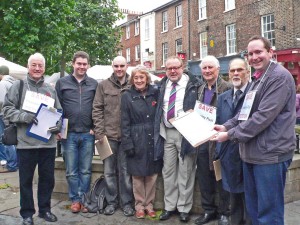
{"x": 28, "y": 159}
{"x": 209, "y": 186}
{"x": 238, "y": 211}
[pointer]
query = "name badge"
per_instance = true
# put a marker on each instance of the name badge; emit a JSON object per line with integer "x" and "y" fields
{"x": 33, "y": 100}
{"x": 247, "y": 105}
{"x": 207, "y": 112}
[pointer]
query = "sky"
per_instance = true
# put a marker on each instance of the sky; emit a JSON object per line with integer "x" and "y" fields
{"x": 141, "y": 5}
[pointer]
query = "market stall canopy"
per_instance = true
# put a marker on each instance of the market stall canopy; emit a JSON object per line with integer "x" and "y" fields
{"x": 15, "y": 70}
{"x": 102, "y": 72}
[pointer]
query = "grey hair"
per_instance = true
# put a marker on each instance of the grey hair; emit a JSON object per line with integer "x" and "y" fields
{"x": 210, "y": 58}
{"x": 37, "y": 56}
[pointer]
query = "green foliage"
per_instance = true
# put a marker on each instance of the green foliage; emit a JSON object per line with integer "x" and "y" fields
{"x": 57, "y": 29}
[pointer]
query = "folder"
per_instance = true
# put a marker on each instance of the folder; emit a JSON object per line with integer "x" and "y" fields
{"x": 103, "y": 148}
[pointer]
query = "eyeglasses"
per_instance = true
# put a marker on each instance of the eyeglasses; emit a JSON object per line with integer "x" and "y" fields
{"x": 237, "y": 70}
{"x": 117, "y": 66}
{"x": 173, "y": 68}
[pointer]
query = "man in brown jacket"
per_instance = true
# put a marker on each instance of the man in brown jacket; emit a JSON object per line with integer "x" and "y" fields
{"x": 107, "y": 120}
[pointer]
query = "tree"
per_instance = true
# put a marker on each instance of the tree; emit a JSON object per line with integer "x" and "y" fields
{"x": 57, "y": 29}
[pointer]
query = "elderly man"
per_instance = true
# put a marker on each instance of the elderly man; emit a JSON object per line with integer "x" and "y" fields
{"x": 208, "y": 94}
{"x": 229, "y": 104}
{"x": 178, "y": 93}
{"x": 76, "y": 94}
{"x": 106, "y": 117}
{"x": 31, "y": 151}
{"x": 266, "y": 134}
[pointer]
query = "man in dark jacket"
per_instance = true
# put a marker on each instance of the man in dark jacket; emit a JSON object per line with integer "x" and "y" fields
{"x": 178, "y": 172}
{"x": 208, "y": 94}
{"x": 265, "y": 131}
{"x": 229, "y": 104}
{"x": 107, "y": 120}
{"x": 76, "y": 94}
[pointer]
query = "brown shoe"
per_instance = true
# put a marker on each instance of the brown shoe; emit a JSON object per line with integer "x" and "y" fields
{"x": 140, "y": 214}
{"x": 151, "y": 213}
{"x": 75, "y": 207}
{"x": 84, "y": 209}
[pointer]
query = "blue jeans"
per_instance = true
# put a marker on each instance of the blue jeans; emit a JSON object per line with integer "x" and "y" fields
{"x": 116, "y": 175}
{"x": 264, "y": 192}
{"x": 77, "y": 151}
{"x": 8, "y": 152}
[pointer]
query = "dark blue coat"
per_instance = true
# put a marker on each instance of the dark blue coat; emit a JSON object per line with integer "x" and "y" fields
{"x": 189, "y": 102}
{"x": 228, "y": 152}
{"x": 137, "y": 119}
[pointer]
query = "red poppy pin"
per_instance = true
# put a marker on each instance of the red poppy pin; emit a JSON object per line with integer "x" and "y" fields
{"x": 48, "y": 94}
{"x": 154, "y": 103}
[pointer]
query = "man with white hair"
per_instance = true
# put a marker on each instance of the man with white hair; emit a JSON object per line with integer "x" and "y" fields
{"x": 107, "y": 117}
{"x": 31, "y": 151}
{"x": 208, "y": 94}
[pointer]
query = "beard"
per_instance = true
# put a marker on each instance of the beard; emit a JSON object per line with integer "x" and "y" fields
{"x": 237, "y": 83}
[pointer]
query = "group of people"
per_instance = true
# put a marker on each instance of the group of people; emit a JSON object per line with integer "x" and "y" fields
{"x": 135, "y": 116}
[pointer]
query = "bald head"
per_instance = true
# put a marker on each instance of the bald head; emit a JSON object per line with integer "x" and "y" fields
{"x": 119, "y": 66}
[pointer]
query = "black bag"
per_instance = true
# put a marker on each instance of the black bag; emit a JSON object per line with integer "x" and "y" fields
{"x": 95, "y": 200}
{"x": 9, "y": 136}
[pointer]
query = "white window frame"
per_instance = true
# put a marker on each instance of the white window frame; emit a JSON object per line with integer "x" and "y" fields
{"x": 127, "y": 32}
{"x": 128, "y": 55}
{"x": 147, "y": 29}
{"x": 231, "y": 39}
{"x": 229, "y": 5}
{"x": 178, "y": 45}
{"x": 203, "y": 44}
{"x": 164, "y": 52}
{"x": 137, "y": 52}
{"x": 164, "y": 21}
{"x": 178, "y": 15}
{"x": 268, "y": 28}
{"x": 202, "y": 9}
{"x": 136, "y": 28}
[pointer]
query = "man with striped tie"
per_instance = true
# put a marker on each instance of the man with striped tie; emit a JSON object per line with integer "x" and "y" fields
{"x": 177, "y": 94}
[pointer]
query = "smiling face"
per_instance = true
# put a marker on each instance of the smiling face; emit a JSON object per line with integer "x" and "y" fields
{"x": 119, "y": 66}
{"x": 174, "y": 69}
{"x": 80, "y": 66}
{"x": 238, "y": 73}
{"x": 36, "y": 68}
{"x": 258, "y": 56}
{"x": 210, "y": 71}
{"x": 140, "y": 81}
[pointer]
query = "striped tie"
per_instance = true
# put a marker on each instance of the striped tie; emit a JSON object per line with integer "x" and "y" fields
{"x": 171, "y": 105}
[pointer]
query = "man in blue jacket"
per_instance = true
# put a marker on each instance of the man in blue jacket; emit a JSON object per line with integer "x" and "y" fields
{"x": 76, "y": 94}
{"x": 229, "y": 104}
{"x": 265, "y": 132}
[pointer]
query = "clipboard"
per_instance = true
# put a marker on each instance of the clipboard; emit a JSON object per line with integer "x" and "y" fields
{"x": 47, "y": 117}
{"x": 194, "y": 128}
{"x": 103, "y": 148}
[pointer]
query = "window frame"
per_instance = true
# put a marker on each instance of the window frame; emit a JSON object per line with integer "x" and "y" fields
{"x": 203, "y": 47}
{"x": 231, "y": 47}
{"x": 128, "y": 55}
{"x": 147, "y": 29}
{"x": 127, "y": 31}
{"x": 268, "y": 33}
{"x": 178, "y": 16}
{"x": 178, "y": 42}
{"x": 136, "y": 28}
{"x": 229, "y": 5}
{"x": 137, "y": 52}
{"x": 165, "y": 49}
{"x": 165, "y": 21}
{"x": 202, "y": 9}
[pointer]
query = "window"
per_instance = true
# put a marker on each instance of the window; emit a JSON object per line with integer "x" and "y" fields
{"x": 231, "y": 39}
{"x": 127, "y": 32}
{"x": 164, "y": 21}
{"x": 128, "y": 55}
{"x": 202, "y": 9}
{"x": 137, "y": 28}
{"x": 229, "y": 5}
{"x": 203, "y": 44}
{"x": 147, "y": 29}
{"x": 178, "y": 15}
{"x": 268, "y": 26}
{"x": 137, "y": 52}
{"x": 164, "y": 52}
{"x": 178, "y": 44}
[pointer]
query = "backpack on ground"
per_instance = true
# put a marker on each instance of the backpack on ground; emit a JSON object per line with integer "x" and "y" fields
{"x": 95, "y": 200}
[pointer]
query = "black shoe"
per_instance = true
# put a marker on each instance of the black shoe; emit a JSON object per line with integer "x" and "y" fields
{"x": 165, "y": 215}
{"x": 128, "y": 210}
{"x": 184, "y": 217}
{"x": 28, "y": 221}
{"x": 109, "y": 210}
{"x": 48, "y": 216}
{"x": 223, "y": 220}
{"x": 205, "y": 218}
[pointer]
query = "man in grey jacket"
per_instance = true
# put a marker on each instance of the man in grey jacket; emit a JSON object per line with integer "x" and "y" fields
{"x": 265, "y": 133}
{"x": 31, "y": 151}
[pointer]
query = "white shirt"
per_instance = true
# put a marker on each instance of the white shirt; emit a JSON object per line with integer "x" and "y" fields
{"x": 180, "y": 92}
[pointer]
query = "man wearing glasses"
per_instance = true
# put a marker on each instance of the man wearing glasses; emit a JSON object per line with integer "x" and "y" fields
{"x": 178, "y": 93}
{"x": 107, "y": 117}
